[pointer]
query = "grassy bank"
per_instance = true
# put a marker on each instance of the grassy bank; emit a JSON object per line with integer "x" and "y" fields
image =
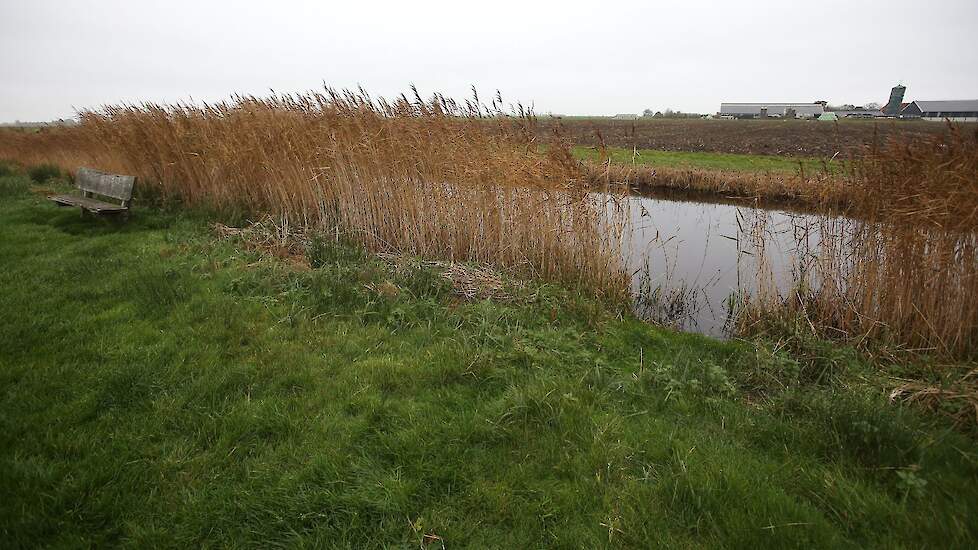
{"x": 802, "y": 182}
{"x": 163, "y": 387}
{"x": 780, "y": 137}
{"x": 699, "y": 160}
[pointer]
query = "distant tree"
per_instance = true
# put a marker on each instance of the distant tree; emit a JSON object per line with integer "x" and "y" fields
{"x": 873, "y": 106}
{"x": 668, "y": 113}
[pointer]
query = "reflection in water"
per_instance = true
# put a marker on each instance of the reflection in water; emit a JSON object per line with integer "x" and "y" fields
{"x": 690, "y": 261}
{"x": 697, "y": 265}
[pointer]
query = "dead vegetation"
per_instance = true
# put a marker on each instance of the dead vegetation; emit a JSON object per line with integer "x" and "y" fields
{"x": 471, "y": 282}
{"x": 271, "y": 238}
{"x": 932, "y": 183}
{"x": 902, "y": 268}
{"x": 278, "y": 240}
{"x": 959, "y": 400}
{"x": 428, "y": 178}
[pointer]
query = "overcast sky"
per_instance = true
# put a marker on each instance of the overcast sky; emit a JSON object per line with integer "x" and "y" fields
{"x": 596, "y": 57}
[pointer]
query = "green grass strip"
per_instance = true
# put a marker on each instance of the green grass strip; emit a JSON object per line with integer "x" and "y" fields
{"x": 159, "y": 387}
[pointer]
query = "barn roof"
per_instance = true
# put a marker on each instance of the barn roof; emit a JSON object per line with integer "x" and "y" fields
{"x": 954, "y": 105}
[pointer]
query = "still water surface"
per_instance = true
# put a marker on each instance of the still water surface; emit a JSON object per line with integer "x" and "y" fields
{"x": 688, "y": 259}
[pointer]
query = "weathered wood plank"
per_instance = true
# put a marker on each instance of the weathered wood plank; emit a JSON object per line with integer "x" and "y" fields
{"x": 107, "y": 185}
{"x": 89, "y": 204}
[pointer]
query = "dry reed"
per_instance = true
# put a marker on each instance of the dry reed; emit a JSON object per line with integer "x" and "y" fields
{"x": 931, "y": 182}
{"x": 958, "y": 399}
{"x": 435, "y": 179}
{"x": 902, "y": 268}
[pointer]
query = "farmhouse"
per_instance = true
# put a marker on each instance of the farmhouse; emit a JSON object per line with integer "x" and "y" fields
{"x": 764, "y": 110}
{"x": 960, "y": 110}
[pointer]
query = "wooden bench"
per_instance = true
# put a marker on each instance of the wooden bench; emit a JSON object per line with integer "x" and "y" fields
{"x": 92, "y": 182}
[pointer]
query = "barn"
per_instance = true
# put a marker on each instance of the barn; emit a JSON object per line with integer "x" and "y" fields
{"x": 958, "y": 110}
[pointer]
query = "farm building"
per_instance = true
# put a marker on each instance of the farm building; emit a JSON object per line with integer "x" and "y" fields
{"x": 858, "y": 113}
{"x": 764, "y": 110}
{"x": 961, "y": 110}
{"x": 895, "y": 104}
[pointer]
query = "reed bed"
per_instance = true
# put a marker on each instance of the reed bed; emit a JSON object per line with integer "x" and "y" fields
{"x": 432, "y": 178}
{"x": 931, "y": 182}
{"x": 902, "y": 268}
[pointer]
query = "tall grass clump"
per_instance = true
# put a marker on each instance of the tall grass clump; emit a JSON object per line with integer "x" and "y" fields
{"x": 43, "y": 172}
{"x": 6, "y": 169}
{"x": 431, "y": 178}
{"x": 902, "y": 268}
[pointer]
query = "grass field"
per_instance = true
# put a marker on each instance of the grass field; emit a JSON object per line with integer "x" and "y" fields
{"x": 160, "y": 387}
{"x": 794, "y": 138}
{"x": 704, "y": 160}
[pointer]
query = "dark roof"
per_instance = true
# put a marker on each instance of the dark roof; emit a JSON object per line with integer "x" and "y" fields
{"x": 949, "y": 106}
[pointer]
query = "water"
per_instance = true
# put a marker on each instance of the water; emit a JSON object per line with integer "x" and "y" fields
{"x": 689, "y": 261}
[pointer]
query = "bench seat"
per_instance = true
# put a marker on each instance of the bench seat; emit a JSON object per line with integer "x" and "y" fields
{"x": 92, "y": 182}
{"x": 90, "y": 204}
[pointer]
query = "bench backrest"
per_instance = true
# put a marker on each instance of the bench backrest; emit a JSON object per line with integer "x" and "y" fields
{"x": 108, "y": 185}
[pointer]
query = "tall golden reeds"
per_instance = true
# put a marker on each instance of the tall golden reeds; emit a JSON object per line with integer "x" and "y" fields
{"x": 436, "y": 179}
{"x": 902, "y": 268}
{"x": 932, "y": 182}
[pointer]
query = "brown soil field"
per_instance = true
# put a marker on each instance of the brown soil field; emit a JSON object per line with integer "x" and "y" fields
{"x": 808, "y": 138}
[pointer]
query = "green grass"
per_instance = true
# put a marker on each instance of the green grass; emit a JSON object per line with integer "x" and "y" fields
{"x": 43, "y": 172}
{"x": 161, "y": 388}
{"x": 704, "y": 160}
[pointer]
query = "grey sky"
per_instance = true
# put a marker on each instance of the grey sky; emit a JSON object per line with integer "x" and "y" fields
{"x": 564, "y": 57}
